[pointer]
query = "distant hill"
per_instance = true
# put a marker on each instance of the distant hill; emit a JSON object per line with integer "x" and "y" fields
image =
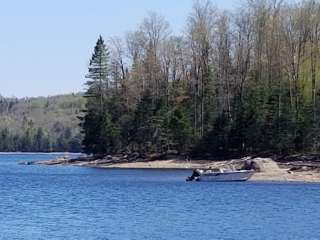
{"x": 41, "y": 124}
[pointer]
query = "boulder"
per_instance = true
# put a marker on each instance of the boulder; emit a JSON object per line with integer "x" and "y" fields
{"x": 261, "y": 165}
{"x": 116, "y": 158}
{"x": 26, "y": 163}
{"x": 300, "y": 168}
{"x": 101, "y": 161}
{"x": 134, "y": 155}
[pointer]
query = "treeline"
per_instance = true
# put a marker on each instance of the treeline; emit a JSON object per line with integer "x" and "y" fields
{"x": 40, "y": 124}
{"x": 38, "y": 140}
{"x": 240, "y": 82}
{"x": 234, "y": 83}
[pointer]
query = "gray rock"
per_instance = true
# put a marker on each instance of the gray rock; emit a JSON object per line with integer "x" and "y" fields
{"x": 261, "y": 165}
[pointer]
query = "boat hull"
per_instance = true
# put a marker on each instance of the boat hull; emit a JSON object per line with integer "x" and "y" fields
{"x": 226, "y": 176}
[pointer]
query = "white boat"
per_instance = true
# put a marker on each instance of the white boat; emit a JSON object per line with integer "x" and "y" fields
{"x": 220, "y": 175}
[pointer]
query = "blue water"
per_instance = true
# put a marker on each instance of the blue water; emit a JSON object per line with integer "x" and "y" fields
{"x": 64, "y": 202}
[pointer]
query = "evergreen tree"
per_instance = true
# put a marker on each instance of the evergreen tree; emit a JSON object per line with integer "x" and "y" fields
{"x": 95, "y": 122}
{"x": 142, "y": 130}
{"x": 180, "y": 129}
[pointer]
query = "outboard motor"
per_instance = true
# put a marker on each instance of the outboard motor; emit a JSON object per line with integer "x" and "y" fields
{"x": 194, "y": 176}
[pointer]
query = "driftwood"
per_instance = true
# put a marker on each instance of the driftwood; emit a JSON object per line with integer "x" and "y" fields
{"x": 299, "y": 157}
{"x": 128, "y": 158}
{"x": 135, "y": 157}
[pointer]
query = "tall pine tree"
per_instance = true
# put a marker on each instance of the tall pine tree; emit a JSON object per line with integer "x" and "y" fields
{"x": 96, "y": 120}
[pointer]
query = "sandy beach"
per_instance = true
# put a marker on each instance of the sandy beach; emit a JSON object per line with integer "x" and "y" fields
{"x": 269, "y": 170}
{"x": 281, "y": 174}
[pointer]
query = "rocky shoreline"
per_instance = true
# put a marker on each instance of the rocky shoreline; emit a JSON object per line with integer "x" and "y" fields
{"x": 293, "y": 169}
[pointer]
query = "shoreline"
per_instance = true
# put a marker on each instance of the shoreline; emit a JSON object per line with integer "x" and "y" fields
{"x": 269, "y": 169}
{"x": 39, "y": 153}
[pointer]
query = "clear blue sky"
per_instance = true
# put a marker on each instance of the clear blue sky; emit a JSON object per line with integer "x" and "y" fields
{"x": 45, "y": 46}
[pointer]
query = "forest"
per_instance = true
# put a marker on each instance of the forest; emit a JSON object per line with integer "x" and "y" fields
{"x": 41, "y": 124}
{"x": 234, "y": 83}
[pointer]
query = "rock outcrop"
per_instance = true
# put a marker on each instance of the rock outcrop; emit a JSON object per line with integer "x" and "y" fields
{"x": 261, "y": 165}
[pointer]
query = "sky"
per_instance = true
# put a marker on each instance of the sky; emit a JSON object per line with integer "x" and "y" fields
{"x": 45, "y": 46}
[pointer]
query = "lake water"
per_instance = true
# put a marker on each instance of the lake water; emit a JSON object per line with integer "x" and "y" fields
{"x": 64, "y": 202}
